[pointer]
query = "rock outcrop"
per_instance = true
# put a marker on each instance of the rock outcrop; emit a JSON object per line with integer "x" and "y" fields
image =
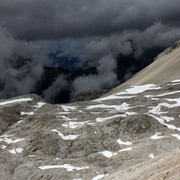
{"x": 131, "y": 133}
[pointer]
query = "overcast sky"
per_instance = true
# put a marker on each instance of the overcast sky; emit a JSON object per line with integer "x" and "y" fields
{"x": 56, "y": 19}
{"x": 91, "y": 29}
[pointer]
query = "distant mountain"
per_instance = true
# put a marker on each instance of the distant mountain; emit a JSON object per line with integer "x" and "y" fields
{"x": 64, "y": 62}
{"x": 133, "y": 132}
{"x": 66, "y": 67}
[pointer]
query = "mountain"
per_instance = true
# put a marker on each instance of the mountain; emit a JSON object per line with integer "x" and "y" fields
{"x": 164, "y": 69}
{"x": 133, "y": 132}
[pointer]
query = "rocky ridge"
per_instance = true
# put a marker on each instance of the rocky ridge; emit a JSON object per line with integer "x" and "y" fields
{"x": 123, "y": 135}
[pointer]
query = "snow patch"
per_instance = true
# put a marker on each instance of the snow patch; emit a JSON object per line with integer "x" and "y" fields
{"x": 95, "y": 113}
{"x": 176, "y": 81}
{"x": 3, "y": 147}
{"x": 161, "y": 121}
{"x": 16, "y": 150}
{"x": 139, "y": 89}
{"x": 15, "y": 101}
{"x": 68, "y": 108}
{"x": 65, "y": 118}
{"x": 155, "y": 99}
{"x": 68, "y": 167}
{"x": 126, "y": 149}
{"x": 39, "y": 104}
{"x": 123, "y": 107}
{"x": 177, "y": 136}
{"x": 68, "y": 137}
{"x": 113, "y": 97}
{"x": 63, "y": 113}
{"x": 157, "y": 136}
{"x": 108, "y": 118}
{"x": 10, "y": 141}
{"x": 27, "y": 113}
{"x": 162, "y": 95}
{"x": 127, "y": 143}
{"x": 74, "y": 125}
{"x": 167, "y": 119}
{"x": 108, "y": 154}
{"x": 20, "y": 121}
{"x": 99, "y": 176}
{"x": 157, "y": 109}
{"x": 151, "y": 156}
{"x": 130, "y": 113}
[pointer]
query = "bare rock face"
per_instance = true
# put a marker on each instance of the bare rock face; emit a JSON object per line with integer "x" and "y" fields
{"x": 175, "y": 46}
{"x": 91, "y": 139}
{"x": 123, "y": 135}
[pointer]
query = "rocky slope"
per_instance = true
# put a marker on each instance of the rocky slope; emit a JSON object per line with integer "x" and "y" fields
{"x": 131, "y": 133}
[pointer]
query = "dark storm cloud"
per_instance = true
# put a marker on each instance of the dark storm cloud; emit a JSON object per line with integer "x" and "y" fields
{"x": 57, "y": 86}
{"x": 17, "y": 75}
{"x": 96, "y": 31}
{"x": 44, "y": 19}
{"x": 105, "y": 78}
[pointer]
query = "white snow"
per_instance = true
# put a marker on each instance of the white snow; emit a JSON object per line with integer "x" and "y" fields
{"x": 139, "y": 89}
{"x": 13, "y": 151}
{"x": 176, "y": 81}
{"x": 113, "y": 97}
{"x": 99, "y": 176}
{"x": 65, "y": 118}
{"x": 73, "y": 125}
{"x": 108, "y": 154}
{"x": 157, "y": 136}
{"x": 161, "y": 95}
{"x": 155, "y": 99}
{"x": 161, "y": 121}
{"x": 127, "y": 143}
{"x": 3, "y": 147}
{"x": 15, "y": 101}
{"x": 108, "y": 118}
{"x": 177, "y": 136}
{"x": 20, "y": 121}
{"x": 16, "y": 150}
{"x": 68, "y": 108}
{"x": 68, "y": 137}
{"x": 157, "y": 109}
{"x": 167, "y": 118}
{"x": 123, "y": 107}
{"x": 126, "y": 149}
{"x": 63, "y": 113}
{"x": 95, "y": 112}
{"x": 5, "y": 136}
{"x": 39, "y": 104}
{"x": 27, "y": 113}
{"x": 32, "y": 155}
{"x": 177, "y": 100}
{"x": 68, "y": 167}
{"x": 151, "y": 156}
{"x": 130, "y": 113}
{"x": 19, "y": 150}
{"x": 81, "y": 111}
{"x": 11, "y": 141}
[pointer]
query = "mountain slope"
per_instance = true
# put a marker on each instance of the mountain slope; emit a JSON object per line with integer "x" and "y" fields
{"x": 164, "y": 69}
{"x": 123, "y": 135}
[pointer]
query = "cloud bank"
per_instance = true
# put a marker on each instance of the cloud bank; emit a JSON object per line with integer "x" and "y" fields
{"x": 96, "y": 31}
{"x": 55, "y": 19}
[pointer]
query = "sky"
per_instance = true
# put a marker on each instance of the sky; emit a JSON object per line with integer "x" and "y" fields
{"x": 96, "y": 31}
